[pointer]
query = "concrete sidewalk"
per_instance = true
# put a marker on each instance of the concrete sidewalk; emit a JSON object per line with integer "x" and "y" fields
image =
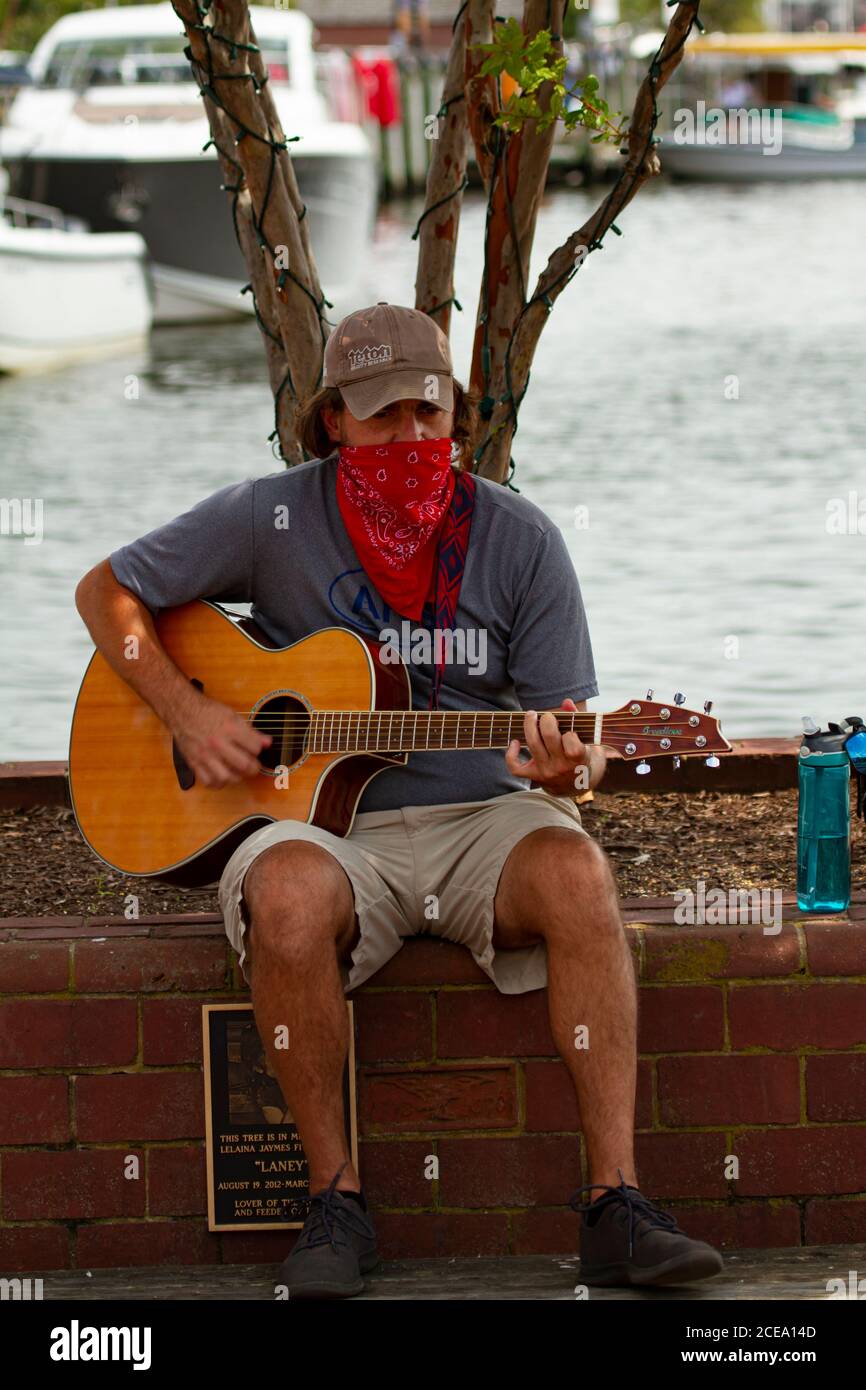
{"x": 796, "y": 1273}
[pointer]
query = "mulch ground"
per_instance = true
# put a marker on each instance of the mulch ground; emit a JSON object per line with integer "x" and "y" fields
{"x": 658, "y": 843}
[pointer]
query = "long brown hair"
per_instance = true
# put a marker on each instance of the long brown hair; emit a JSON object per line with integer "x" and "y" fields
{"x": 315, "y": 441}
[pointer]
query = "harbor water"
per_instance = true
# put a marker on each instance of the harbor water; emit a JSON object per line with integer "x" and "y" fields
{"x": 695, "y": 424}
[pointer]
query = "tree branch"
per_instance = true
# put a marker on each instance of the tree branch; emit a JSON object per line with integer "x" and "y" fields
{"x": 641, "y": 163}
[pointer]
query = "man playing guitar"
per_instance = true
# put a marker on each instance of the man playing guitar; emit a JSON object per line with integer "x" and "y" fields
{"x": 454, "y": 844}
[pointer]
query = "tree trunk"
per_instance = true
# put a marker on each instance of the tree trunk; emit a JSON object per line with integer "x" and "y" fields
{"x": 272, "y": 233}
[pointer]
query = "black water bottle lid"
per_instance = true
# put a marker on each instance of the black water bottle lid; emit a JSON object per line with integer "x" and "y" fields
{"x": 829, "y": 740}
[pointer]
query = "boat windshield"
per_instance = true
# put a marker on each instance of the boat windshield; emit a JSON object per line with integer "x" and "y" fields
{"x": 117, "y": 62}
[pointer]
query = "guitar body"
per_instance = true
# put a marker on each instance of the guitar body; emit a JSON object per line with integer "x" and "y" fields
{"x": 136, "y": 801}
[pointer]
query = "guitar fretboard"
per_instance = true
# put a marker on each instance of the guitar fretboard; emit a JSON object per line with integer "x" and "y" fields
{"x": 402, "y": 731}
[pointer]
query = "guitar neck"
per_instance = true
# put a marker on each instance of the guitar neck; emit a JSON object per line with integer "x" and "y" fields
{"x": 406, "y": 731}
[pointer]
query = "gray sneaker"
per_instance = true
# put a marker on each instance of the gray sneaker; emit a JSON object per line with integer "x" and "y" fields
{"x": 628, "y": 1240}
{"x": 335, "y": 1247}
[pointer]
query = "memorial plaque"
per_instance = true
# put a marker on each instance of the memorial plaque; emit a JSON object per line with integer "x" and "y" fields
{"x": 257, "y": 1172}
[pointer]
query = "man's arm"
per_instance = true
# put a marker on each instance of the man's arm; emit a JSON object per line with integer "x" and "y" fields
{"x": 550, "y": 653}
{"x": 219, "y": 745}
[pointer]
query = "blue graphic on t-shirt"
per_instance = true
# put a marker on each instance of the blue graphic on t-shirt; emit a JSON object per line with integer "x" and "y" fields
{"x": 359, "y": 605}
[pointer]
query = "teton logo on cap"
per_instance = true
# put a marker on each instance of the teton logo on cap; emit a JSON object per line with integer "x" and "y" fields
{"x": 369, "y": 356}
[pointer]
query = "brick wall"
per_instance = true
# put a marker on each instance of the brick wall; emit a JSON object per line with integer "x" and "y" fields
{"x": 748, "y": 1044}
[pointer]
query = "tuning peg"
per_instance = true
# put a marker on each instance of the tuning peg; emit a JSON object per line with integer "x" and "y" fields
{"x": 677, "y": 761}
{"x": 649, "y": 694}
{"x": 712, "y": 761}
{"x": 643, "y": 768}
{"x": 679, "y": 699}
{"x": 708, "y": 704}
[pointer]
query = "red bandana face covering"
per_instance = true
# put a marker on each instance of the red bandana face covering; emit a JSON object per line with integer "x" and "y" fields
{"x": 393, "y": 499}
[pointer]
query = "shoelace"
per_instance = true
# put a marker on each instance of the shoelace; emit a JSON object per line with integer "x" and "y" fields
{"x": 330, "y": 1219}
{"x": 640, "y": 1208}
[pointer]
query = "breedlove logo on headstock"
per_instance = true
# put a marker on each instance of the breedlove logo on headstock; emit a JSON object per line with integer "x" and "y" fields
{"x": 644, "y": 729}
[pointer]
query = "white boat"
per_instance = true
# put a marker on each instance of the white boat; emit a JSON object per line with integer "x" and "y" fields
{"x": 112, "y": 129}
{"x": 66, "y": 293}
{"x": 748, "y": 107}
{"x": 778, "y": 143}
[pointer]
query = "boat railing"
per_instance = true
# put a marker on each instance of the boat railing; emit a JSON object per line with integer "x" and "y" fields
{"x": 21, "y": 212}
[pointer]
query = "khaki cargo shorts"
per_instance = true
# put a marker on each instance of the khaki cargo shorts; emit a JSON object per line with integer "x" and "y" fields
{"x": 419, "y": 871}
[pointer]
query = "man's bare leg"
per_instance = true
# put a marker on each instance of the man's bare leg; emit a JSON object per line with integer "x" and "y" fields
{"x": 557, "y": 886}
{"x": 302, "y": 914}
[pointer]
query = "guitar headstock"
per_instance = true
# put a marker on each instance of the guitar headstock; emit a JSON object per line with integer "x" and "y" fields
{"x": 651, "y": 729}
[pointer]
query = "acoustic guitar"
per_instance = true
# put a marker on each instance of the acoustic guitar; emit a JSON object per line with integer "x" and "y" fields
{"x": 338, "y": 711}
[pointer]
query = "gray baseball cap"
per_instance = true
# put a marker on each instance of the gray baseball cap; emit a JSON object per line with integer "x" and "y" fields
{"x": 388, "y": 353}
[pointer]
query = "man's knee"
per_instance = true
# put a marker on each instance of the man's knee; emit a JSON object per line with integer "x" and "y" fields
{"x": 301, "y": 884}
{"x": 559, "y": 867}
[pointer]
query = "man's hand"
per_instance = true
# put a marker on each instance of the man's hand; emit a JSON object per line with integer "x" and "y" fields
{"x": 554, "y": 757}
{"x": 218, "y": 743}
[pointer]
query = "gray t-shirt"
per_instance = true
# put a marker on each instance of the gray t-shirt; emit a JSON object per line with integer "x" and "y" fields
{"x": 279, "y": 543}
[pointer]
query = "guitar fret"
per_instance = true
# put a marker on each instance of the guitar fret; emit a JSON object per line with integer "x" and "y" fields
{"x": 325, "y": 732}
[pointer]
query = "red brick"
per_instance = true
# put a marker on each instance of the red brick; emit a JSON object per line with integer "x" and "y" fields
{"x": 34, "y": 967}
{"x": 790, "y": 1017}
{"x": 547, "y": 1232}
{"x": 189, "y": 924}
{"x": 741, "y": 1225}
{"x": 836, "y": 948}
{"x": 680, "y": 1018}
{"x": 475, "y": 1023}
{"x": 394, "y": 1027}
{"x": 34, "y": 1248}
{"x": 171, "y": 1031}
{"x": 132, "y": 1107}
{"x": 68, "y": 1032}
{"x": 392, "y": 1172}
{"x": 411, "y": 1100}
{"x": 811, "y": 1162}
{"x": 425, "y": 960}
{"x": 176, "y": 1181}
{"x": 154, "y": 1243}
{"x": 69, "y": 1183}
{"x": 34, "y": 1110}
{"x": 38, "y": 926}
{"x": 644, "y": 915}
{"x": 551, "y": 1100}
{"x": 532, "y": 1171}
{"x": 834, "y": 1221}
{"x": 151, "y": 965}
{"x": 836, "y": 1087}
{"x": 681, "y": 1165}
{"x": 728, "y": 1090}
{"x": 438, "y": 1235}
{"x": 719, "y": 953}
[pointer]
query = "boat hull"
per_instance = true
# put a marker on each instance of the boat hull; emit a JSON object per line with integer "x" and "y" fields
{"x": 748, "y": 164}
{"x": 69, "y": 296}
{"x": 184, "y": 216}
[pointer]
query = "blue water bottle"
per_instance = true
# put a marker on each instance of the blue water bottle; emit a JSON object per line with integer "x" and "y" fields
{"x": 824, "y": 821}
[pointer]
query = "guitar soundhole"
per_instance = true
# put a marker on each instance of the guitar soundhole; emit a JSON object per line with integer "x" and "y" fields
{"x": 287, "y": 720}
